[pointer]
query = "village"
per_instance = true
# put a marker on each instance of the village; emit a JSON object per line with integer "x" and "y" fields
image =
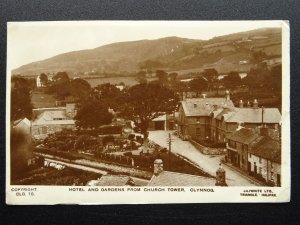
{"x": 192, "y": 113}
{"x": 191, "y": 144}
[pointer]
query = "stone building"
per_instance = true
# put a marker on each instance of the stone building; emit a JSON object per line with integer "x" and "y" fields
{"x": 215, "y": 118}
{"x": 194, "y": 119}
{"x": 50, "y": 120}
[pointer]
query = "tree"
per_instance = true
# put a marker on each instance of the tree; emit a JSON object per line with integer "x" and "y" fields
{"x": 60, "y": 85}
{"x": 20, "y": 99}
{"x": 141, "y": 77}
{"x": 232, "y": 80}
{"x": 162, "y": 76}
{"x": 61, "y": 77}
{"x": 43, "y": 78}
{"x": 109, "y": 95}
{"x": 92, "y": 114}
{"x": 173, "y": 77}
{"x": 79, "y": 88}
{"x": 198, "y": 85}
{"x": 20, "y": 151}
{"x": 258, "y": 56}
{"x": 144, "y": 102}
{"x": 210, "y": 74}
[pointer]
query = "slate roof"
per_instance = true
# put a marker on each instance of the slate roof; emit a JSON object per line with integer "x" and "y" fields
{"x": 267, "y": 148}
{"x": 57, "y": 117}
{"x": 244, "y": 135}
{"x": 224, "y": 113}
{"x": 111, "y": 180}
{"x": 167, "y": 178}
{"x": 251, "y": 115}
{"x": 24, "y": 120}
{"x": 204, "y": 106}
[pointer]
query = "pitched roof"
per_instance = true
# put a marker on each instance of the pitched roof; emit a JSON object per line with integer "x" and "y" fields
{"x": 57, "y": 117}
{"x": 252, "y": 115}
{"x": 167, "y": 178}
{"x": 224, "y": 112}
{"x": 244, "y": 135}
{"x": 111, "y": 180}
{"x": 24, "y": 120}
{"x": 267, "y": 148}
{"x": 203, "y": 106}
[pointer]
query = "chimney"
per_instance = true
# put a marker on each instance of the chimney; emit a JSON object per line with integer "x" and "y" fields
{"x": 227, "y": 95}
{"x": 255, "y": 104}
{"x": 203, "y": 95}
{"x": 241, "y": 104}
{"x": 239, "y": 126}
{"x": 264, "y": 131}
{"x": 158, "y": 166}
{"x": 248, "y": 104}
{"x": 221, "y": 176}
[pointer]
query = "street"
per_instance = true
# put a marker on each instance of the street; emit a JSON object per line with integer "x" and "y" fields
{"x": 209, "y": 163}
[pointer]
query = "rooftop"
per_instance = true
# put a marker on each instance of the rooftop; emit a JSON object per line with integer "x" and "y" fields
{"x": 111, "y": 180}
{"x": 252, "y": 115}
{"x": 204, "y": 106}
{"x": 57, "y": 117}
{"x": 267, "y": 148}
{"x": 167, "y": 178}
{"x": 244, "y": 135}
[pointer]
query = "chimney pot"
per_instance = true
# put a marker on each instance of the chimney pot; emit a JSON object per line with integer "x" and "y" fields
{"x": 203, "y": 95}
{"x": 255, "y": 104}
{"x": 158, "y": 166}
{"x": 241, "y": 104}
{"x": 221, "y": 176}
{"x": 227, "y": 95}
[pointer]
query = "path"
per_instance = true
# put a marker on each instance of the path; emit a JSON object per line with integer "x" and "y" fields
{"x": 208, "y": 163}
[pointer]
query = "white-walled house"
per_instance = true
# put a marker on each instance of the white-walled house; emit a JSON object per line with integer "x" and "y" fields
{"x": 264, "y": 160}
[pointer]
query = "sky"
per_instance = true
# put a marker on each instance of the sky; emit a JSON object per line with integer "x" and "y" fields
{"x": 33, "y": 41}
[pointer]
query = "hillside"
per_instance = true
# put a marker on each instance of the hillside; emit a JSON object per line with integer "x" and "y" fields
{"x": 171, "y": 53}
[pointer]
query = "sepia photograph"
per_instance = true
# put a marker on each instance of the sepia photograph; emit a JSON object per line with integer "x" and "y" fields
{"x": 195, "y": 109}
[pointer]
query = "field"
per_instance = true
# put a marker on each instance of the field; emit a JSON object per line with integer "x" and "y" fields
{"x": 41, "y": 100}
{"x": 128, "y": 81}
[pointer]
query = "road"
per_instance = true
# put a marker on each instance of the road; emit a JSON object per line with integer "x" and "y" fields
{"x": 208, "y": 163}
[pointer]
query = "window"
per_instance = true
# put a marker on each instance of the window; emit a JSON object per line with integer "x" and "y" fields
{"x": 197, "y": 120}
{"x": 259, "y": 159}
{"x": 272, "y": 176}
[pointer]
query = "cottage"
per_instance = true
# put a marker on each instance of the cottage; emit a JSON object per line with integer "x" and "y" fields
{"x": 226, "y": 120}
{"x": 237, "y": 146}
{"x": 256, "y": 151}
{"x": 52, "y": 120}
{"x": 265, "y": 160}
{"x": 163, "y": 122}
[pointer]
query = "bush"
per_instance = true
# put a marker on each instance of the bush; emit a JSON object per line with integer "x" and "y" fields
{"x": 128, "y": 154}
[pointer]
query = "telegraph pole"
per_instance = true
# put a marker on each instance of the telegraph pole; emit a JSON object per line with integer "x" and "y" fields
{"x": 169, "y": 141}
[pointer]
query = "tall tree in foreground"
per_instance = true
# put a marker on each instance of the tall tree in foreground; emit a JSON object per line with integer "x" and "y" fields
{"x": 144, "y": 102}
{"x": 20, "y": 98}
